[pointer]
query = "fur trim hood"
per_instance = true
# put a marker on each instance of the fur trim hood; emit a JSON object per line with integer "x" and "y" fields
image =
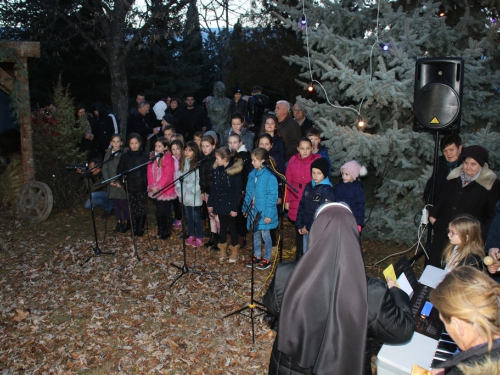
{"x": 233, "y": 169}
{"x": 486, "y": 177}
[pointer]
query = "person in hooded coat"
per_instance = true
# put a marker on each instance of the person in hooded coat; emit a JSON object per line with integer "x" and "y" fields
{"x": 323, "y": 318}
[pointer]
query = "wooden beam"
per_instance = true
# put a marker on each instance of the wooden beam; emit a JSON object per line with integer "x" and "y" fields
{"x": 23, "y": 49}
{"x": 6, "y": 81}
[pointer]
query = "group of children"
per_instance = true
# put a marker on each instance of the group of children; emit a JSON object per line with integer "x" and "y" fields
{"x": 237, "y": 188}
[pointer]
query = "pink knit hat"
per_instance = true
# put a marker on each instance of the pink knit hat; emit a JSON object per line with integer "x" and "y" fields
{"x": 355, "y": 169}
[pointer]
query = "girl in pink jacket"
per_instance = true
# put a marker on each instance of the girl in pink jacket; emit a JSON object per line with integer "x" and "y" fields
{"x": 298, "y": 174}
{"x": 160, "y": 174}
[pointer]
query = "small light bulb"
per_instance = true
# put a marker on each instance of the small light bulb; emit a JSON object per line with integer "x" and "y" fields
{"x": 385, "y": 47}
{"x": 303, "y": 21}
{"x": 361, "y": 122}
{"x": 310, "y": 87}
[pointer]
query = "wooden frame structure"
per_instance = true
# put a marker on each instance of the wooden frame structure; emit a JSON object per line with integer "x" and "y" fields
{"x": 16, "y": 70}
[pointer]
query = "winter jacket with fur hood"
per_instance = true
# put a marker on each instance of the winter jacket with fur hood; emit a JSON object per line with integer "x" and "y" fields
{"x": 226, "y": 188}
{"x": 478, "y": 199}
{"x": 298, "y": 174}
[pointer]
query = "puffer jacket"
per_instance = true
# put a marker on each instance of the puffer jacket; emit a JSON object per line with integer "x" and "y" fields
{"x": 262, "y": 190}
{"x": 108, "y": 171}
{"x": 314, "y": 196}
{"x": 226, "y": 188}
{"x": 137, "y": 180}
{"x": 352, "y": 193}
{"x": 190, "y": 186}
{"x": 160, "y": 176}
{"x": 207, "y": 173}
{"x": 298, "y": 174}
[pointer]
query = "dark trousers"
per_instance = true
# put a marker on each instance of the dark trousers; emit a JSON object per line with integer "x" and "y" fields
{"x": 138, "y": 202}
{"x": 163, "y": 208}
{"x": 225, "y": 222}
{"x": 177, "y": 209}
{"x": 121, "y": 209}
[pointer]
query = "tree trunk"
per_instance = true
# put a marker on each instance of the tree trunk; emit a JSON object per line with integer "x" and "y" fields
{"x": 119, "y": 83}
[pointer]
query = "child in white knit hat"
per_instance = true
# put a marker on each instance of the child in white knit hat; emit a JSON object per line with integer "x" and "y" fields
{"x": 350, "y": 190}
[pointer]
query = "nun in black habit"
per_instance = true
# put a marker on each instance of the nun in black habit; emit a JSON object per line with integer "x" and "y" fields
{"x": 322, "y": 327}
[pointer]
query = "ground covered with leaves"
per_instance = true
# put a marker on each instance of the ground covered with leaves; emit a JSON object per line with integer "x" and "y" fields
{"x": 60, "y": 313}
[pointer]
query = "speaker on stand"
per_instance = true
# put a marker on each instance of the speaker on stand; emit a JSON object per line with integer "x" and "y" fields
{"x": 437, "y": 108}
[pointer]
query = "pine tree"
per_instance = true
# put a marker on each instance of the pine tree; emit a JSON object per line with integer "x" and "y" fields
{"x": 349, "y": 68}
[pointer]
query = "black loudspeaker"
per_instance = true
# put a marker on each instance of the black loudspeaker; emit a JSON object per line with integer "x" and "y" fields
{"x": 437, "y": 101}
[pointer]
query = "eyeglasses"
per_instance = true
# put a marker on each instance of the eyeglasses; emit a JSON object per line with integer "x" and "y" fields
{"x": 450, "y": 232}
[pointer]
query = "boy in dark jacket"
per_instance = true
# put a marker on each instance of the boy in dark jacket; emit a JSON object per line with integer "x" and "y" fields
{"x": 316, "y": 193}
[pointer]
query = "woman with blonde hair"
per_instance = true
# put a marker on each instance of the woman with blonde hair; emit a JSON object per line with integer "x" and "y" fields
{"x": 466, "y": 245}
{"x": 469, "y": 306}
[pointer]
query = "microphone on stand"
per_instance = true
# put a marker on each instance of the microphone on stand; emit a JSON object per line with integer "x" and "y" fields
{"x": 202, "y": 160}
{"x": 113, "y": 154}
{"x": 155, "y": 156}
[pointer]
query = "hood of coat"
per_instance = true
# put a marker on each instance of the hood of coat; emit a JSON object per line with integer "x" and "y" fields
{"x": 234, "y": 168}
{"x": 486, "y": 177}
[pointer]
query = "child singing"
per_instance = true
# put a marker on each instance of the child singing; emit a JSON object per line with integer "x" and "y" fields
{"x": 224, "y": 199}
{"x": 261, "y": 197}
{"x": 161, "y": 174}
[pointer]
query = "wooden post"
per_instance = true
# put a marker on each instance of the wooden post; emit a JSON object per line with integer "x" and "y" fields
{"x": 25, "y": 123}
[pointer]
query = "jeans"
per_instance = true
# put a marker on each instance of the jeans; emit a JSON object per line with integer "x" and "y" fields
{"x": 268, "y": 244}
{"x": 193, "y": 217}
{"x": 305, "y": 241}
{"x": 100, "y": 199}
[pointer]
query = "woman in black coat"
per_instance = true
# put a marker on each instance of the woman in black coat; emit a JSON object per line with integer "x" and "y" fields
{"x": 472, "y": 189}
{"x": 137, "y": 181}
{"x": 389, "y": 317}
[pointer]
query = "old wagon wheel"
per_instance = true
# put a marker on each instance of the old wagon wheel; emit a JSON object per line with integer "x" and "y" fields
{"x": 34, "y": 202}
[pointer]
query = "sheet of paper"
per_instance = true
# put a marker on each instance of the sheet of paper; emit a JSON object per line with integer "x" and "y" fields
{"x": 390, "y": 272}
{"x": 404, "y": 285}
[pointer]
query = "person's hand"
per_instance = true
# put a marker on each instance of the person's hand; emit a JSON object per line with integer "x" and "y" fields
{"x": 156, "y": 130}
{"x": 494, "y": 252}
{"x": 279, "y": 201}
{"x": 391, "y": 283}
{"x": 432, "y": 220}
{"x": 89, "y": 136}
{"x": 439, "y": 371}
{"x": 267, "y": 220}
{"x": 233, "y": 214}
{"x": 210, "y": 209}
{"x": 245, "y": 214}
{"x": 287, "y": 206}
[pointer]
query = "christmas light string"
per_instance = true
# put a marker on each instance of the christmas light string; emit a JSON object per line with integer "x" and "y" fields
{"x": 304, "y": 23}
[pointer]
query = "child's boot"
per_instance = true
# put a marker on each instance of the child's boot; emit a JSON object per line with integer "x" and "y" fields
{"x": 125, "y": 226}
{"x": 233, "y": 257}
{"x": 216, "y": 241}
{"x": 211, "y": 241}
{"x": 223, "y": 252}
{"x": 118, "y": 226}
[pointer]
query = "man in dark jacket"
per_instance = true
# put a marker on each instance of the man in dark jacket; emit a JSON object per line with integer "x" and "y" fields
{"x": 299, "y": 114}
{"x": 289, "y": 128}
{"x": 451, "y": 147}
{"x": 193, "y": 118}
{"x": 257, "y": 103}
{"x": 103, "y": 128}
{"x": 137, "y": 123}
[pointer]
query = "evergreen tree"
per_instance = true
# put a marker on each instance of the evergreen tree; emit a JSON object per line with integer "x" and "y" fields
{"x": 343, "y": 41}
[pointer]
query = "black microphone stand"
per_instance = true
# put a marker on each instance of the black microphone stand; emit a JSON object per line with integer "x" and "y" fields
{"x": 184, "y": 268}
{"x": 124, "y": 174}
{"x": 430, "y": 202}
{"x": 252, "y": 305}
{"x": 282, "y": 213}
{"x": 87, "y": 174}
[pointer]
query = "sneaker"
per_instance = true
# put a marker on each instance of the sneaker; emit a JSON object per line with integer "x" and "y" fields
{"x": 197, "y": 242}
{"x": 190, "y": 240}
{"x": 264, "y": 264}
{"x": 255, "y": 260}
{"x": 177, "y": 224}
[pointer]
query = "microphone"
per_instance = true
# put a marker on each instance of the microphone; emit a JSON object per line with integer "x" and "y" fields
{"x": 155, "y": 156}
{"x": 202, "y": 160}
{"x": 113, "y": 154}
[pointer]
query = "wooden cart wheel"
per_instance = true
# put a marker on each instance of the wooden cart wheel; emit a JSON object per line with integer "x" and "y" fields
{"x": 34, "y": 202}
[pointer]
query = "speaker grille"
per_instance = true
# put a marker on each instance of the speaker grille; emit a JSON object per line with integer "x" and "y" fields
{"x": 436, "y": 106}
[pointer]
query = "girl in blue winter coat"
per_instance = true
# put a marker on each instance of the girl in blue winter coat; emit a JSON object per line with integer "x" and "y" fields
{"x": 224, "y": 197}
{"x": 261, "y": 196}
{"x": 191, "y": 193}
{"x": 350, "y": 190}
{"x": 317, "y": 192}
